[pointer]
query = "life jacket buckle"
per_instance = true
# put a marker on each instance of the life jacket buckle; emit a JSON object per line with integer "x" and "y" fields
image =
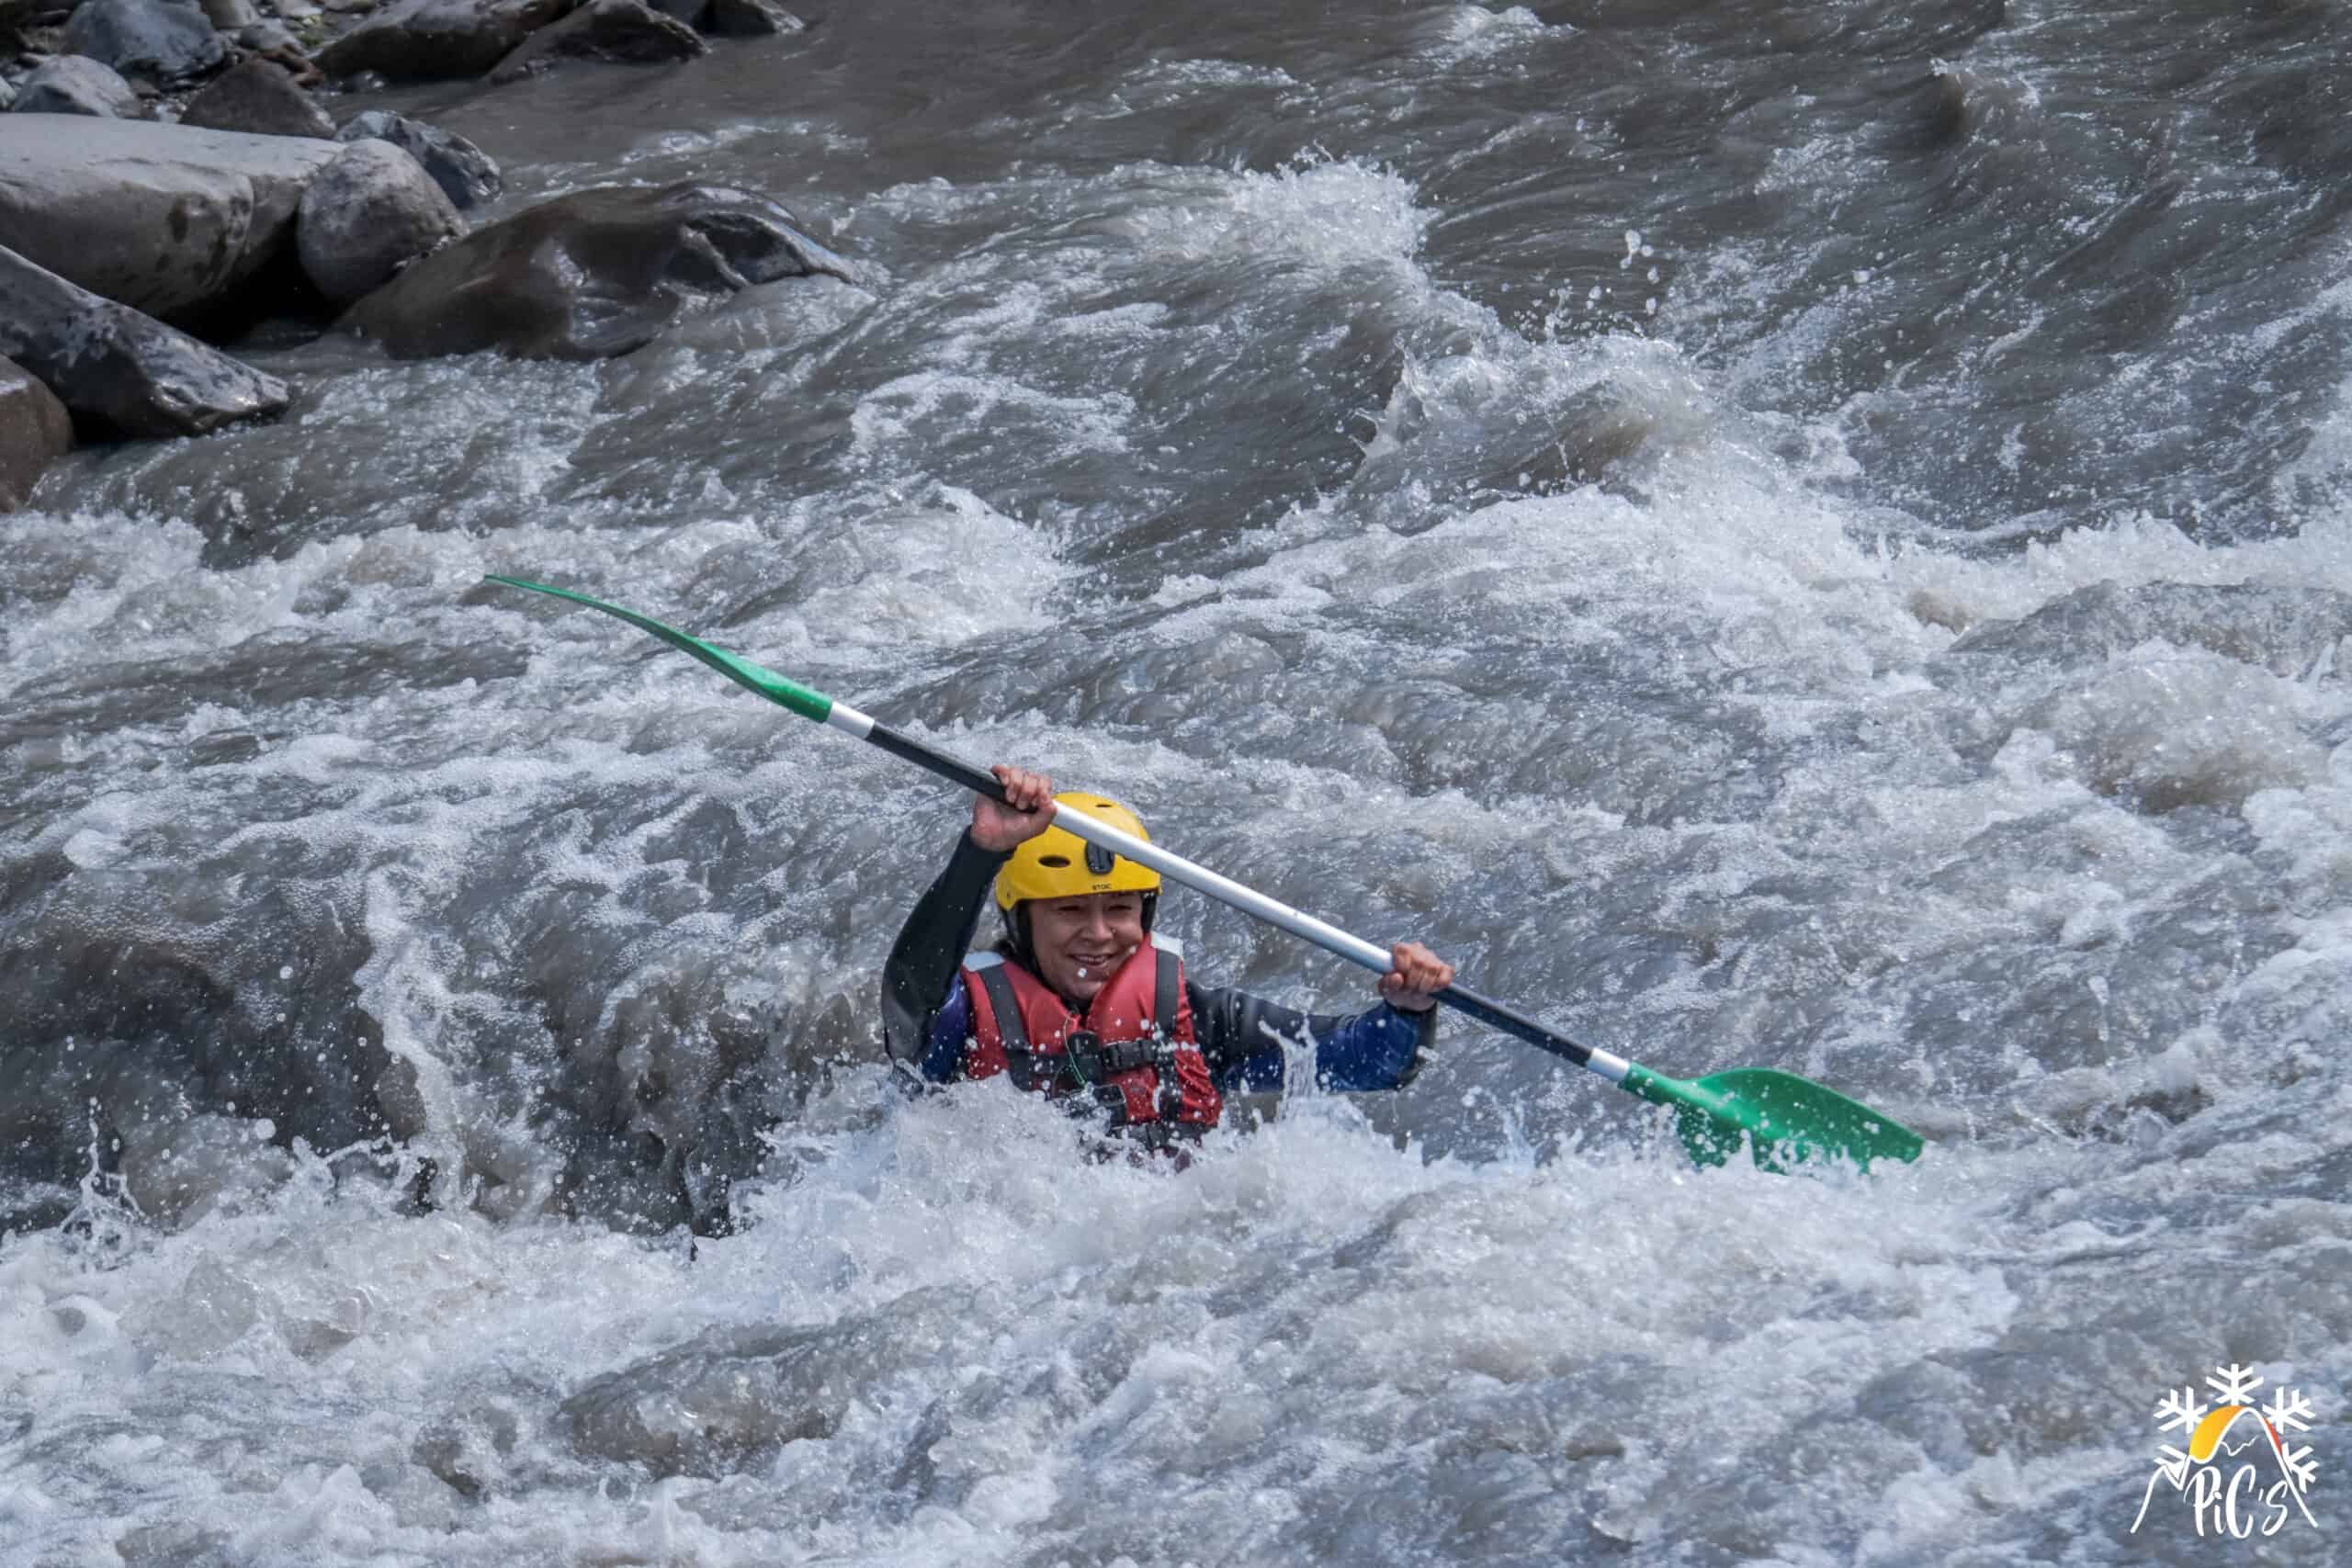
{"x": 1082, "y": 1055}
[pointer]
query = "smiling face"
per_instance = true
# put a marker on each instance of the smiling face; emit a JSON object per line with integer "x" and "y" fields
{"x": 1078, "y": 942}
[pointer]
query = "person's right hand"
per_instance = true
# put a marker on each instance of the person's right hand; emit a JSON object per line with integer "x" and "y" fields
{"x": 1028, "y": 812}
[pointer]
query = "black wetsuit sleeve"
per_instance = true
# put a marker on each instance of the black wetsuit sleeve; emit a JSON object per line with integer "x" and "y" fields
{"x": 931, "y": 947}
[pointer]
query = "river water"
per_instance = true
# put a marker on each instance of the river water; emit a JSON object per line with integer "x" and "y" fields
{"x": 1797, "y": 536}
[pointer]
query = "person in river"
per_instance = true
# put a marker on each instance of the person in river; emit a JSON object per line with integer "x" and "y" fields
{"x": 1079, "y": 1001}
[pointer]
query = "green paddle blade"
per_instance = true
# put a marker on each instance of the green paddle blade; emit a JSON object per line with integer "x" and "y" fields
{"x": 1786, "y": 1119}
{"x": 742, "y": 672}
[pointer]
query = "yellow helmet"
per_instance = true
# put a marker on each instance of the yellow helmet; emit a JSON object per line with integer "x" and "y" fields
{"x": 1058, "y": 863}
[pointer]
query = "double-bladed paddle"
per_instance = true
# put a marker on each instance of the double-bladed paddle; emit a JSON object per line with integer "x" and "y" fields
{"x": 1784, "y": 1119}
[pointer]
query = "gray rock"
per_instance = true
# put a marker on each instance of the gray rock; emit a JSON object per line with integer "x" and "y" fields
{"x": 229, "y": 16}
{"x": 367, "y": 215}
{"x": 271, "y": 40}
{"x": 74, "y": 84}
{"x": 166, "y": 219}
{"x": 622, "y": 32}
{"x": 590, "y": 274}
{"x": 428, "y": 40}
{"x": 462, "y": 170}
{"x": 728, "y": 1399}
{"x": 35, "y": 430}
{"x": 117, "y": 369}
{"x": 166, "y": 44}
{"x": 749, "y": 18}
{"x": 732, "y": 18}
{"x": 19, "y": 16}
{"x": 8, "y": 95}
{"x": 268, "y": 38}
{"x": 258, "y": 97}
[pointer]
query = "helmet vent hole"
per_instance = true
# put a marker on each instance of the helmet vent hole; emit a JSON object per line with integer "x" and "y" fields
{"x": 1056, "y": 861}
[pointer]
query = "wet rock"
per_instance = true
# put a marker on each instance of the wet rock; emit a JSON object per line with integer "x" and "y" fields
{"x": 427, "y": 40}
{"x": 590, "y": 274}
{"x": 463, "y": 171}
{"x": 74, "y": 84}
{"x": 178, "y": 1545}
{"x": 622, "y": 32}
{"x": 179, "y": 1170}
{"x": 1598, "y": 431}
{"x": 730, "y": 1397}
{"x": 749, "y": 18}
{"x": 2288, "y": 631}
{"x": 35, "y": 430}
{"x": 229, "y": 16}
{"x": 19, "y": 16}
{"x": 165, "y": 218}
{"x": 163, "y": 42}
{"x": 732, "y": 18}
{"x": 1939, "y": 110}
{"x": 215, "y": 1308}
{"x": 259, "y": 97}
{"x": 709, "y": 1407}
{"x": 271, "y": 42}
{"x": 367, "y": 215}
{"x": 470, "y": 1454}
{"x": 119, "y": 371}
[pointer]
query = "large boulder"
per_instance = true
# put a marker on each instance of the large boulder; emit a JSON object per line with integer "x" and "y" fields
{"x": 732, "y": 18}
{"x": 623, "y": 32}
{"x": 75, "y": 83}
{"x": 257, "y": 96}
{"x": 428, "y": 40}
{"x": 748, "y": 18}
{"x": 590, "y": 274}
{"x": 121, "y": 372}
{"x": 35, "y": 430}
{"x": 367, "y": 215}
{"x": 167, "y": 43}
{"x": 166, "y": 219}
{"x": 462, "y": 170}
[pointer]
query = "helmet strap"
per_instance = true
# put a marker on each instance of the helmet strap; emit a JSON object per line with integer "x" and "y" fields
{"x": 1016, "y": 936}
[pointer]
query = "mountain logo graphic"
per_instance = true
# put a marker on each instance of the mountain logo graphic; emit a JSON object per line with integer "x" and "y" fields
{"x": 2237, "y": 1497}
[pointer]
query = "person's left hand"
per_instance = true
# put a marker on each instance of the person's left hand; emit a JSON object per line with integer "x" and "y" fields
{"x": 1412, "y": 986}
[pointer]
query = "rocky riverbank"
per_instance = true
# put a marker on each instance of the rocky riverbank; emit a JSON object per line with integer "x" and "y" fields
{"x": 175, "y": 174}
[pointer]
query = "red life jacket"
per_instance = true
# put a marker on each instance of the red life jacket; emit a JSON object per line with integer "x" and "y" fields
{"x": 1132, "y": 1050}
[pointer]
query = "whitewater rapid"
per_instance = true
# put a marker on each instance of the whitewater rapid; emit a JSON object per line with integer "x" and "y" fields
{"x": 442, "y": 1117}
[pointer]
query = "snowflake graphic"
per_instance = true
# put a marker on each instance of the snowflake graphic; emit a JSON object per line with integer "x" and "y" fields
{"x": 2289, "y": 1411}
{"x": 2183, "y": 1410}
{"x": 2301, "y": 1468}
{"x": 2234, "y": 1384}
